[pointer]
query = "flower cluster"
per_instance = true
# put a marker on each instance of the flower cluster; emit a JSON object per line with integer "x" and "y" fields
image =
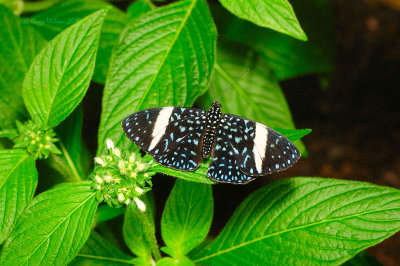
{"x": 36, "y": 139}
{"x": 120, "y": 179}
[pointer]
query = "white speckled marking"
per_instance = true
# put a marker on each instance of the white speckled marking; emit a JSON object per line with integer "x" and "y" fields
{"x": 160, "y": 125}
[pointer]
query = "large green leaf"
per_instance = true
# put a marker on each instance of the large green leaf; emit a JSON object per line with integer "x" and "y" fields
{"x": 53, "y": 227}
{"x": 274, "y": 14}
{"x": 306, "y": 221}
{"x": 59, "y": 76}
{"x": 158, "y": 65}
{"x": 138, "y": 8}
{"x": 52, "y": 21}
{"x": 18, "y": 47}
{"x": 105, "y": 213}
{"x": 187, "y": 217}
{"x": 18, "y": 180}
{"x": 286, "y": 56}
{"x": 139, "y": 233}
{"x": 255, "y": 96}
{"x": 98, "y": 251}
{"x": 200, "y": 175}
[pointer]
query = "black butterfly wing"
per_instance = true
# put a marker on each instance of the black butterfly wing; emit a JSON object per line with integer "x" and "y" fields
{"x": 172, "y": 135}
{"x": 258, "y": 149}
{"x": 224, "y": 166}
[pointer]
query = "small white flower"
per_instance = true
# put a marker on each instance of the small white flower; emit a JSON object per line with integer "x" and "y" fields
{"x": 117, "y": 152}
{"x": 117, "y": 180}
{"x": 100, "y": 161}
{"x": 110, "y": 144}
{"x": 139, "y": 190}
{"x": 98, "y": 187}
{"x": 121, "y": 197}
{"x": 140, "y": 204}
{"x": 108, "y": 179}
{"x": 98, "y": 179}
{"x": 127, "y": 201}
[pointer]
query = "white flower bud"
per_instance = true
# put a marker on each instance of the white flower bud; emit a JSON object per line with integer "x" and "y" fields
{"x": 117, "y": 152}
{"x": 108, "y": 179}
{"x": 98, "y": 179}
{"x": 140, "y": 204}
{"x": 140, "y": 167}
{"x": 110, "y": 144}
{"x": 127, "y": 201}
{"x": 139, "y": 190}
{"x": 122, "y": 167}
{"x": 121, "y": 197}
{"x": 100, "y": 161}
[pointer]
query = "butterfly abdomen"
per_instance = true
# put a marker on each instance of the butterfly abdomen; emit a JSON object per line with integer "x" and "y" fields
{"x": 213, "y": 121}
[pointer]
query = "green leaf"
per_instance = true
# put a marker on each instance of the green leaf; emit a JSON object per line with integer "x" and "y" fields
{"x": 160, "y": 65}
{"x": 98, "y": 251}
{"x": 53, "y": 227}
{"x": 200, "y": 175}
{"x": 138, "y": 8}
{"x": 294, "y": 134}
{"x": 60, "y": 74}
{"x": 187, "y": 217}
{"x": 255, "y": 96}
{"x": 57, "y": 18}
{"x": 139, "y": 233}
{"x": 105, "y": 213}
{"x": 18, "y": 181}
{"x": 184, "y": 261}
{"x": 274, "y": 14}
{"x": 286, "y": 56}
{"x": 306, "y": 221}
{"x": 18, "y": 47}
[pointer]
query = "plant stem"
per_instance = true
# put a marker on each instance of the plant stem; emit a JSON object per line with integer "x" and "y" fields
{"x": 71, "y": 165}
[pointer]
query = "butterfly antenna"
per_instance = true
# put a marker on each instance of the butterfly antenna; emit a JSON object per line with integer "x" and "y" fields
{"x": 236, "y": 80}
{"x": 212, "y": 88}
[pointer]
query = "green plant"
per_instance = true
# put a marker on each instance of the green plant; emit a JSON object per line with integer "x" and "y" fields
{"x": 152, "y": 56}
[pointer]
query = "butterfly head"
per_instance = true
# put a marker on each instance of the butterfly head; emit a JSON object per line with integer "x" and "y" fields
{"x": 216, "y": 106}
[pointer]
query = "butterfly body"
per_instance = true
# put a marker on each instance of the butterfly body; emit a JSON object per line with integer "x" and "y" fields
{"x": 212, "y": 124}
{"x": 181, "y": 138}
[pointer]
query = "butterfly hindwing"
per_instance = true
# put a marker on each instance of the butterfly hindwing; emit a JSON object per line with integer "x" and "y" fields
{"x": 172, "y": 135}
{"x": 223, "y": 166}
{"x": 258, "y": 150}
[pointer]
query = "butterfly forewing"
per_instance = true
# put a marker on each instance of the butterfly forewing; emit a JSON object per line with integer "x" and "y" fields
{"x": 258, "y": 150}
{"x": 172, "y": 135}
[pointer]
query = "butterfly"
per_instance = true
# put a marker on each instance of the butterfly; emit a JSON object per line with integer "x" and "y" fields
{"x": 240, "y": 149}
